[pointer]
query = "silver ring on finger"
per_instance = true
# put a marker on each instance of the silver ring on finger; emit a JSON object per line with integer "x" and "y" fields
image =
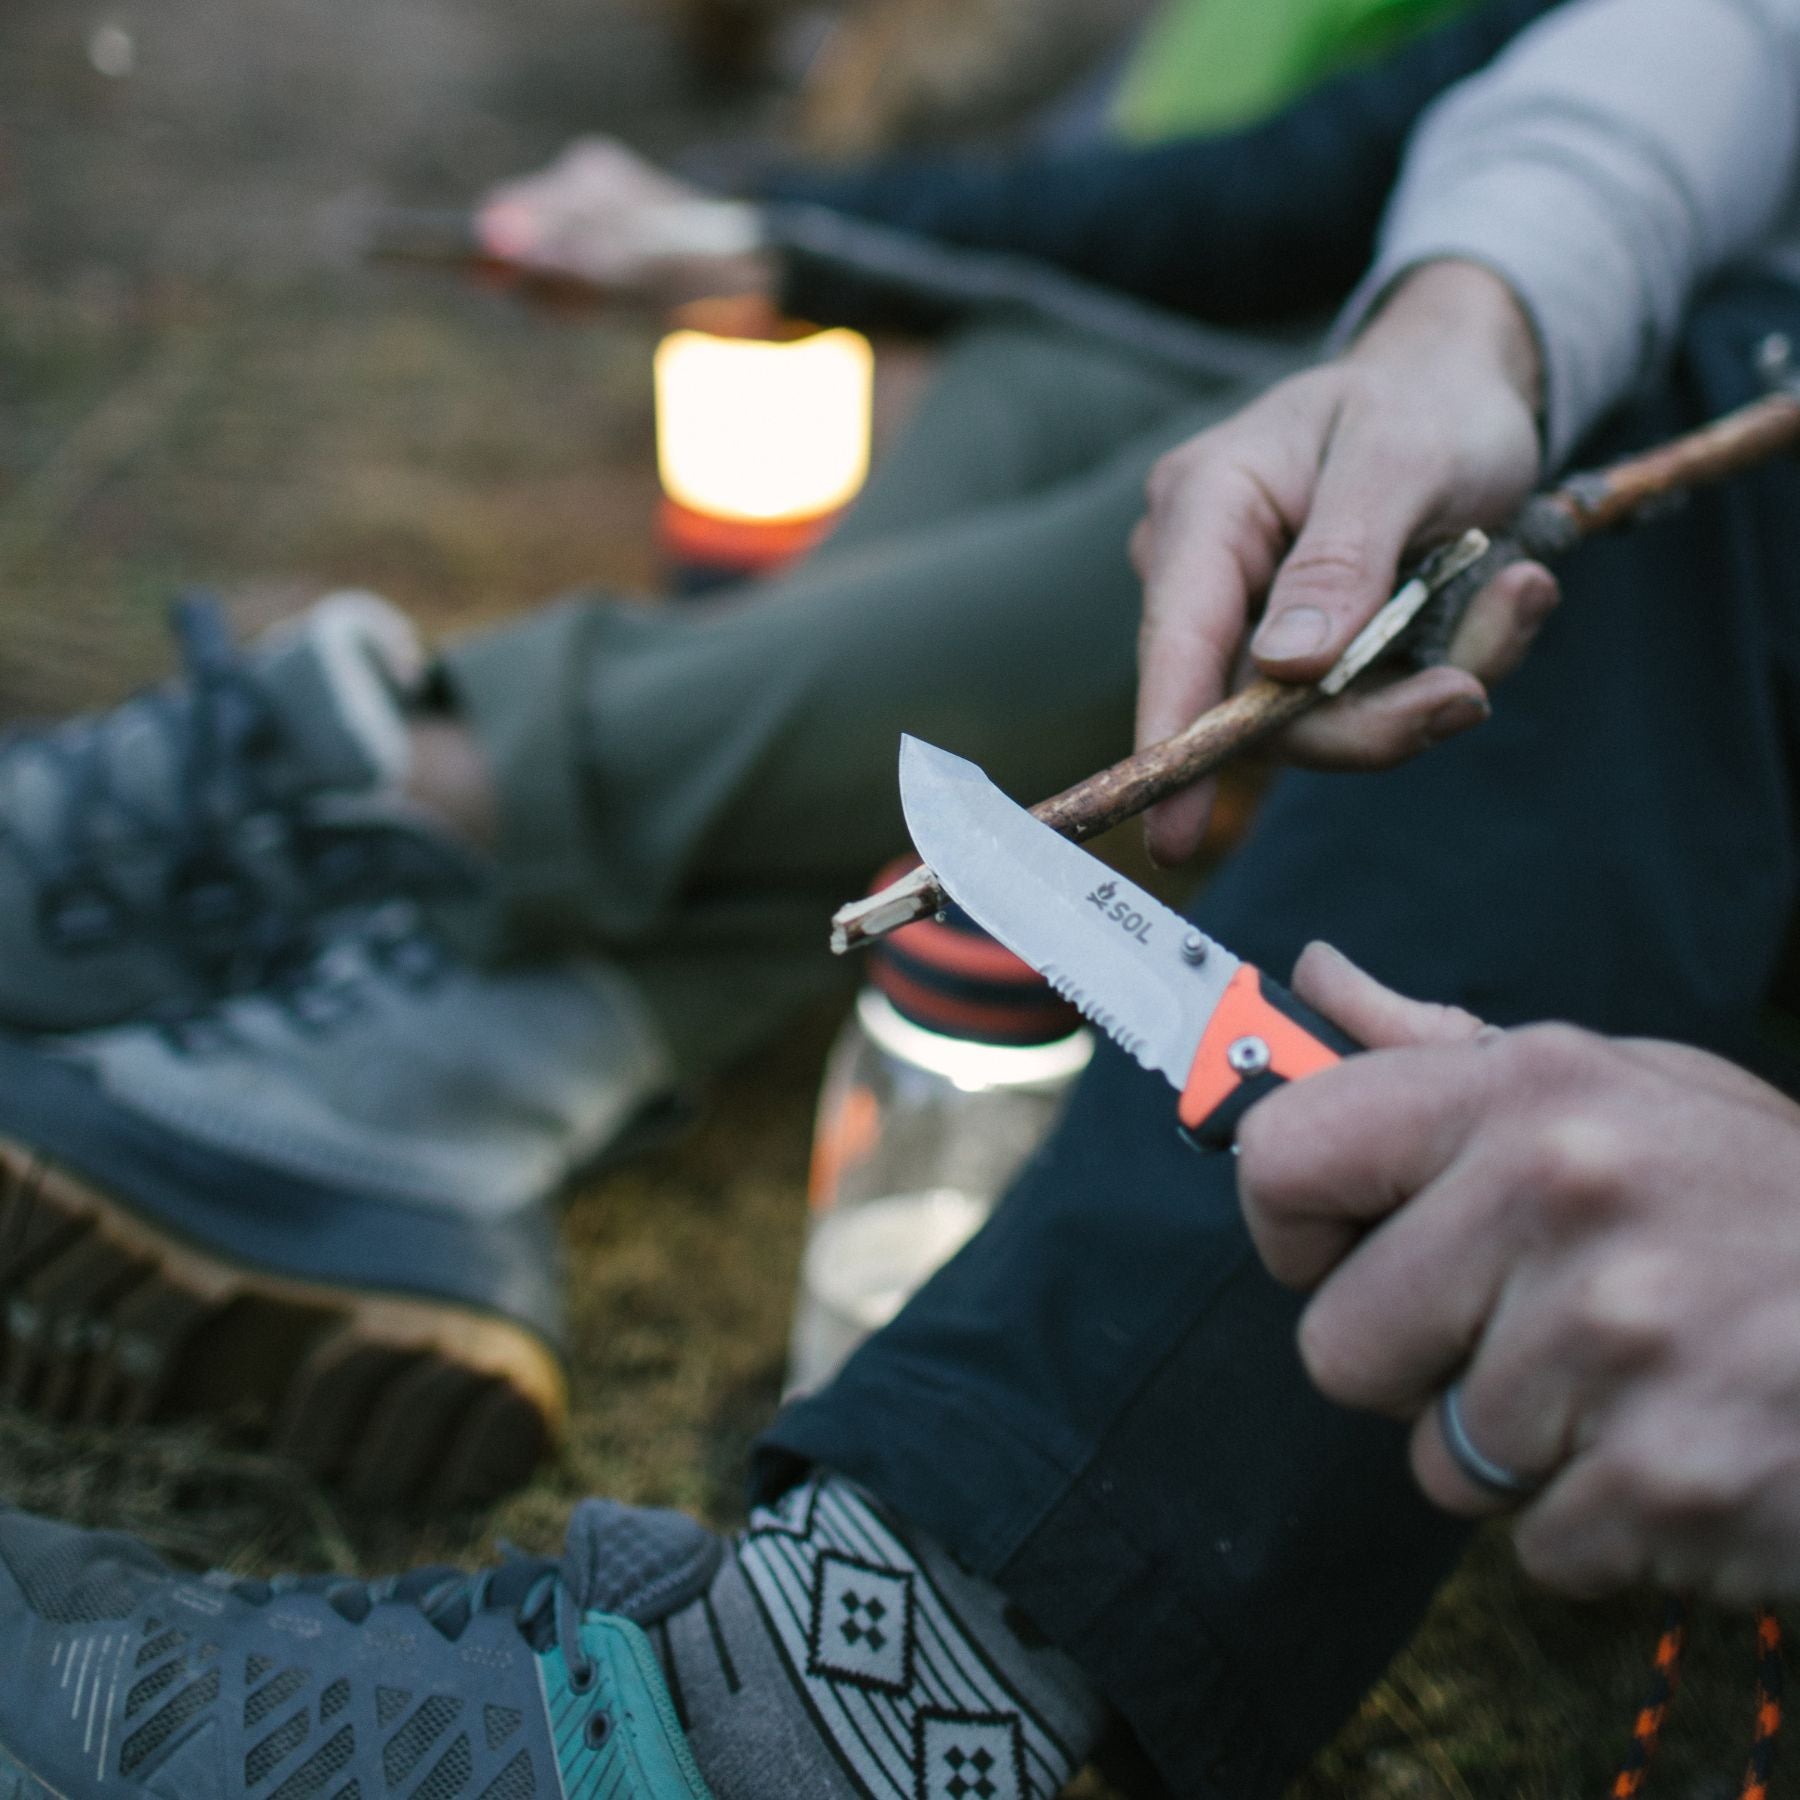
{"x": 1494, "y": 1479}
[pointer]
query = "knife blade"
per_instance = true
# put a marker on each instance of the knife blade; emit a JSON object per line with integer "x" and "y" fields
{"x": 1218, "y": 1030}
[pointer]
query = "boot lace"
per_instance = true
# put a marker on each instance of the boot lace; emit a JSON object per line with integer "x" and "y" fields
{"x": 233, "y": 815}
{"x": 540, "y": 1592}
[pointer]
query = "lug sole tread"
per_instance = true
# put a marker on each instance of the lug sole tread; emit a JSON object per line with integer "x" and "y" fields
{"x": 396, "y": 1401}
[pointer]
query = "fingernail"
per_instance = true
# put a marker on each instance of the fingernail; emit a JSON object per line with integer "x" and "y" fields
{"x": 1456, "y": 716}
{"x": 1298, "y": 631}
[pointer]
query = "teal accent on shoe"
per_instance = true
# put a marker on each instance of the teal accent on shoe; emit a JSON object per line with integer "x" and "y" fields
{"x": 617, "y": 1732}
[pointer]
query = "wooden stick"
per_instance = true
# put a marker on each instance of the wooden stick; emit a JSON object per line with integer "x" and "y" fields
{"x": 1550, "y": 525}
{"x": 449, "y": 239}
{"x": 1620, "y": 494}
{"x": 1124, "y": 790}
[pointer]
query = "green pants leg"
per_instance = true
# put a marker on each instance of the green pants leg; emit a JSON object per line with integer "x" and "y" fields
{"x": 1014, "y": 410}
{"x": 692, "y": 789}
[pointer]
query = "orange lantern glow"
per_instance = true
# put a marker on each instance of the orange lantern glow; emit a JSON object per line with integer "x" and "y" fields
{"x": 762, "y": 435}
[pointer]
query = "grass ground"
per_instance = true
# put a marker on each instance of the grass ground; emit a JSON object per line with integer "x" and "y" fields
{"x": 195, "y": 385}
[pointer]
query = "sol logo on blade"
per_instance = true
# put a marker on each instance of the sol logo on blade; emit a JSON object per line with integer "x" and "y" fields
{"x": 1120, "y": 912}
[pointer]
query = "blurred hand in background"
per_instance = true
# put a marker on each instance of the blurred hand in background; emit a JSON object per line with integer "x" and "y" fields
{"x": 603, "y": 215}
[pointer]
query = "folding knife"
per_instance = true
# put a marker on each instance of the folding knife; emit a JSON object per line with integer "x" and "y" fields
{"x": 1218, "y": 1030}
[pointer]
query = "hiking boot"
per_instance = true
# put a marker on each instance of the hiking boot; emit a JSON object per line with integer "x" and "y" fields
{"x": 145, "y": 851}
{"x": 827, "y": 1652}
{"x": 128, "y": 1681}
{"x": 321, "y": 1209}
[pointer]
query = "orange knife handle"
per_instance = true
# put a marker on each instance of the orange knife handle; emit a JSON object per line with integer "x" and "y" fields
{"x": 1260, "y": 1037}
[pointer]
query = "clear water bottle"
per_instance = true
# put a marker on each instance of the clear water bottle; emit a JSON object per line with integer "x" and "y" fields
{"x": 947, "y": 1076}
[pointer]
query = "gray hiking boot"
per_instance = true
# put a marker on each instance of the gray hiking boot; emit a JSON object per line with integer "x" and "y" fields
{"x": 148, "y": 855}
{"x": 321, "y": 1209}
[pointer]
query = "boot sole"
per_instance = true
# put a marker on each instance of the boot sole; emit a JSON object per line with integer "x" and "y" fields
{"x": 397, "y": 1402}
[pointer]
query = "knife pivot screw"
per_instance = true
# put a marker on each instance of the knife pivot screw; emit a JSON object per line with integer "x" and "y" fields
{"x": 1195, "y": 949}
{"x": 1249, "y": 1056}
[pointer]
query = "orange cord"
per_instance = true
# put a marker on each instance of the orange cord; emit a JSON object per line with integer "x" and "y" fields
{"x": 1768, "y": 1707}
{"x": 1646, "y": 1729}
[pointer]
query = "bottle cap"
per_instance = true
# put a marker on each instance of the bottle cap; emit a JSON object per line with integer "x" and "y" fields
{"x": 947, "y": 975}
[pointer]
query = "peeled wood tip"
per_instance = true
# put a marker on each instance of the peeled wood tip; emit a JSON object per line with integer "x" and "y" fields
{"x": 903, "y": 902}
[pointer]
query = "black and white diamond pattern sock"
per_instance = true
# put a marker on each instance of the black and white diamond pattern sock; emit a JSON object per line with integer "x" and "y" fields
{"x": 836, "y": 1658}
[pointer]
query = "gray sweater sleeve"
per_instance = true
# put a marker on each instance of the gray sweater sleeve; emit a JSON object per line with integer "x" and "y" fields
{"x": 1617, "y": 155}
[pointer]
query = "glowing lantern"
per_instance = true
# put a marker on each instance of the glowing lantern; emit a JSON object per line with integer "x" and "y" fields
{"x": 762, "y": 430}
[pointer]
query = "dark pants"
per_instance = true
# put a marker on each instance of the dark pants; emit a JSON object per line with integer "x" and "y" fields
{"x": 1098, "y": 1403}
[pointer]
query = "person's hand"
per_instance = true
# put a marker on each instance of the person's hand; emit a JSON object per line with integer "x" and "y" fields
{"x": 1602, "y": 1239}
{"x": 1313, "y": 496}
{"x": 602, "y": 214}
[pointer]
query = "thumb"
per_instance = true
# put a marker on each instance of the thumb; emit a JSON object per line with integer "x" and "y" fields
{"x": 1374, "y": 1015}
{"x": 1343, "y": 566}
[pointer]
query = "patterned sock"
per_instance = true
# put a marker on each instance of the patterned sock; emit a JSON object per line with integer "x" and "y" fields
{"x": 835, "y": 1657}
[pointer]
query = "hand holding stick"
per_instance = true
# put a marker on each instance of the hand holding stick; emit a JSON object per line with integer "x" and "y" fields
{"x": 1550, "y": 525}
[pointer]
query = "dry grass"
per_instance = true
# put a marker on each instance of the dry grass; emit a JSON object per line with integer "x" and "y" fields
{"x": 191, "y": 390}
